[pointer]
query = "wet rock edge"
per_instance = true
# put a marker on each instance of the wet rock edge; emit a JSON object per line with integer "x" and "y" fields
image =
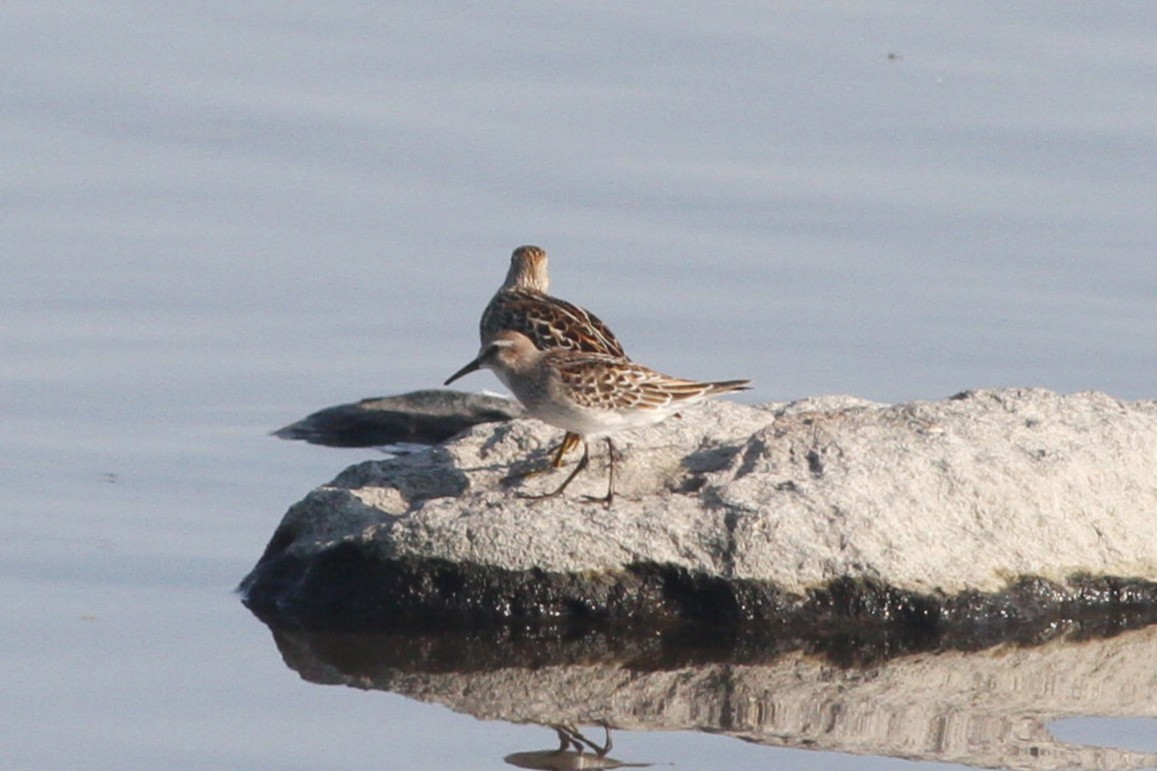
{"x": 348, "y": 588}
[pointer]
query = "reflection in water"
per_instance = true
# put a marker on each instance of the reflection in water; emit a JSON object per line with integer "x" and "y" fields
{"x": 571, "y": 753}
{"x": 988, "y": 707}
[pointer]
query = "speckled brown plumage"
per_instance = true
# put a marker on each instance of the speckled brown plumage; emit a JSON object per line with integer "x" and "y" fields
{"x": 612, "y": 383}
{"x": 522, "y": 305}
{"x": 589, "y": 394}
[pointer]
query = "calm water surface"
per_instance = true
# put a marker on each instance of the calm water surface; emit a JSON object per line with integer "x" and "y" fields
{"x": 220, "y": 217}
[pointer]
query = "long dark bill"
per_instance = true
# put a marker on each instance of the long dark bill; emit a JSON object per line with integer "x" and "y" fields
{"x": 471, "y": 367}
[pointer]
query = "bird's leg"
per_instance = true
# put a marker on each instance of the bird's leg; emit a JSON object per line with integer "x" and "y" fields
{"x": 568, "y": 443}
{"x": 610, "y": 496}
{"x": 582, "y": 464}
{"x": 610, "y": 472}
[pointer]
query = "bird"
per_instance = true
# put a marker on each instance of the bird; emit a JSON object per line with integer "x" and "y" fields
{"x": 589, "y": 394}
{"x": 522, "y": 304}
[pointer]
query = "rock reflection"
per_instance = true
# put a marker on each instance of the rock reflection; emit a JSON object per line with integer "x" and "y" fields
{"x": 988, "y": 707}
{"x": 575, "y": 751}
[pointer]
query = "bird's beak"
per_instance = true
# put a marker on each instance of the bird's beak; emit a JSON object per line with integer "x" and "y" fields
{"x": 471, "y": 367}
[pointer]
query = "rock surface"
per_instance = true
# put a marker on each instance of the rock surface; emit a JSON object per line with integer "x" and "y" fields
{"x": 999, "y": 503}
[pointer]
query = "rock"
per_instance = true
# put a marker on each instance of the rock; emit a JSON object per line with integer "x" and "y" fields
{"x": 995, "y": 507}
{"x": 418, "y": 417}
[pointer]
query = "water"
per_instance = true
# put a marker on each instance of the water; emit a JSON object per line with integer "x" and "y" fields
{"x": 219, "y": 217}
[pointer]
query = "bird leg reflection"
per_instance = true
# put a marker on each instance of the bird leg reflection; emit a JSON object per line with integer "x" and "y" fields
{"x": 570, "y": 736}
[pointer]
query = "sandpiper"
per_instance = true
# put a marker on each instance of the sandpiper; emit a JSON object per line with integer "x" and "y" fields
{"x": 588, "y": 394}
{"x": 522, "y": 304}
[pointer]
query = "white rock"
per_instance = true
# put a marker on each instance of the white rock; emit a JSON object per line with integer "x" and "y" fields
{"x": 936, "y": 499}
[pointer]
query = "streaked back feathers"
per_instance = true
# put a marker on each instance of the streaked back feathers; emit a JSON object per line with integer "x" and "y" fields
{"x": 522, "y": 305}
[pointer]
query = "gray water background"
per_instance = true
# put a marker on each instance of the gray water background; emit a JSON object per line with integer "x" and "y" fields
{"x": 218, "y": 217}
